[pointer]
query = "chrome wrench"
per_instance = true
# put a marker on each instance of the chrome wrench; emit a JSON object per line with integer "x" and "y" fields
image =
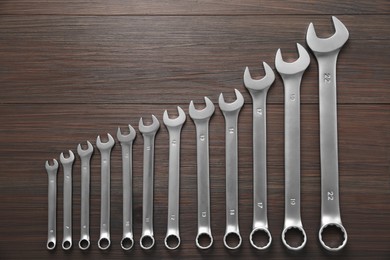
{"x": 174, "y": 126}
{"x": 232, "y": 238}
{"x": 148, "y": 134}
{"x": 326, "y": 52}
{"x": 85, "y": 156}
{"x": 258, "y": 90}
{"x": 67, "y": 164}
{"x": 105, "y": 154}
{"x": 52, "y": 204}
{"x": 201, "y": 118}
{"x": 126, "y": 142}
{"x": 291, "y": 74}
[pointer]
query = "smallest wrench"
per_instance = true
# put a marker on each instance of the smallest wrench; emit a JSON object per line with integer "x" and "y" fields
{"x": 174, "y": 126}
{"x": 105, "y": 154}
{"x": 52, "y": 204}
{"x": 232, "y": 238}
{"x": 67, "y": 164}
{"x": 85, "y": 156}
{"x": 126, "y": 142}
{"x": 201, "y": 118}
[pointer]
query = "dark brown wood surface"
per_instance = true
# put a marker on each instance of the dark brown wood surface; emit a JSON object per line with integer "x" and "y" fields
{"x": 70, "y": 70}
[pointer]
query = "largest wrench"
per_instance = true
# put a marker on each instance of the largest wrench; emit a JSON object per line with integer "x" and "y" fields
{"x": 232, "y": 238}
{"x": 291, "y": 74}
{"x": 326, "y": 52}
{"x": 258, "y": 90}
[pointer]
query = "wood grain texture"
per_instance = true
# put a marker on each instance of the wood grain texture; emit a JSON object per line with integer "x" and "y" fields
{"x": 166, "y": 58}
{"x": 191, "y": 7}
{"x": 70, "y": 70}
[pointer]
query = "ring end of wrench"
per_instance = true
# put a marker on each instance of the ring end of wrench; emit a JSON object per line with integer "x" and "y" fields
{"x": 127, "y": 242}
{"x": 301, "y": 231}
{"x": 235, "y": 236}
{"x": 253, "y": 240}
{"x": 204, "y": 240}
{"x": 104, "y": 243}
{"x": 51, "y": 243}
{"x": 146, "y": 242}
{"x": 324, "y": 243}
{"x": 172, "y": 241}
{"x": 84, "y": 243}
{"x": 67, "y": 244}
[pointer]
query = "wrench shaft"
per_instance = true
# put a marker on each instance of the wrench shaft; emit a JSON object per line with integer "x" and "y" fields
{"x": 202, "y": 143}
{"x": 292, "y": 151}
{"x": 147, "y": 211}
{"x": 105, "y": 194}
{"x": 328, "y": 137}
{"x": 85, "y": 186}
{"x": 260, "y": 160}
{"x": 67, "y": 236}
{"x": 231, "y": 157}
{"x": 127, "y": 194}
{"x": 174, "y": 180}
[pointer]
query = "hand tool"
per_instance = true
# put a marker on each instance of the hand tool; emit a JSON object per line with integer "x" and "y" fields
{"x": 258, "y": 90}
{"x": 52, "y": 204}
{"x": 326, "y": 52}
{"x": 291, "y": 74}
{"x": 85, "y": 156}
{"x": 201, "y": 118}
{"x": 174, "y": 126}
{"x": 126, "y": 142}
{"x": 105, "y": 154}
{"x": 67, "y": 164}
{"x": 232, "y": 238}
{"x": 148, "y": 134}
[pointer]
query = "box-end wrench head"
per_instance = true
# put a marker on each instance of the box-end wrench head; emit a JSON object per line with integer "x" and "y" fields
{"x": 104, "y": 241}
{"x": 174, "y": 126}
{"x": 67, "y": 164}
{"x": 52, "y": 204}
{"x": 85, "y": 157}
{"x": 326, "y": 51}
{"x": 148, "y": 133}
{"x": 126, "y": 141}
{"x": 258, "y": 89}
{"x": 291, "y": 74}
{"x": 201, "y": 118}
{"x": 232, "y": 238}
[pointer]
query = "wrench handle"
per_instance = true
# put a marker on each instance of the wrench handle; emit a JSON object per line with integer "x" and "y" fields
{"x": 52, "y": 209}
{"x": 203, "y": 172}
{"x": 147, "y": 210}
{"x": 85, "y": 187}
{"x": 174, "y": 180}
{"x": 105, "y": 196}
{"x": 127, "y": 224}
{"x": 67, "y": 227}
{"x": 292, "y": 148}
{"x": 330, "y": 207}
{"x": 231, "y": 159}
{"x": 259, "y": 160}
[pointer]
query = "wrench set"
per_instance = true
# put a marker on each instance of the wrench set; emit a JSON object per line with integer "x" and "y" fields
{"x": 326, "y": 52}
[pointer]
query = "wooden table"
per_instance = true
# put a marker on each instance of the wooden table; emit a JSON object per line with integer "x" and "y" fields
{"x": 70, "y": 70}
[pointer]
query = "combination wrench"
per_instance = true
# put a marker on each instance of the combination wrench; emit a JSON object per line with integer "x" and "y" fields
{"x": 258, "y": 90}
{"x": 148, "y": 134}
{"x": 67, "y": 164}
{"x": 85, "y": 156}
{"x": 232, "y": 238}
{"x": 105, "y": 154}
{"x": 201, "y": 118}
{"x": 291, "y": 74}
{"x": 126, "y": 142}
{"x": 174, "y": 126}
{"x": 52, "y": 204}
{"x": 326, "y": 51}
